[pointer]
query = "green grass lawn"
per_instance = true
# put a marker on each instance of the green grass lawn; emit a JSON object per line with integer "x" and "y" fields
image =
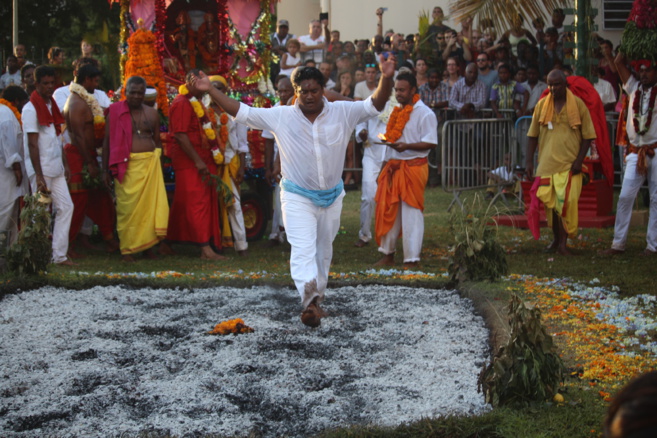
{"x": 581, "y": 416}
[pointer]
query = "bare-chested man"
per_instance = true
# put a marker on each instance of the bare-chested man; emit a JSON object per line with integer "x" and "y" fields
{"x": 86, "y": 123}
{"x": 131, "y": 152}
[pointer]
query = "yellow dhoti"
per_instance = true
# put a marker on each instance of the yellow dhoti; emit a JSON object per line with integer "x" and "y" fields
{"x": 142, "y": 209}
{"x": 560, "y": 193}
{"x": 227, "y": 173}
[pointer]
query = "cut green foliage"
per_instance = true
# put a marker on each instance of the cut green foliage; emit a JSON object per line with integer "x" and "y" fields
{"x": 477, "y": 253}
{"x": 32, "y": 251}
{"x": 527, "y": 368}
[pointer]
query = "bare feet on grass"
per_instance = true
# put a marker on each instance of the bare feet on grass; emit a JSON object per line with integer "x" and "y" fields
{"x": 67, "y": 262}
{"x": 165, "y": 249}
{"x": 111, "y": 245}
{"x": 208, "y": 254}
{"x": 386, "y": 260}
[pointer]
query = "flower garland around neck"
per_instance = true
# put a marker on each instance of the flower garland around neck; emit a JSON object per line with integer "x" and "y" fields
{"x": 96, "y": 110}
{"x": 13, "y": 110}
{"x": 204, "y": 119}
{"x": 398, "y": 119}
{"x": 636, "y": 108}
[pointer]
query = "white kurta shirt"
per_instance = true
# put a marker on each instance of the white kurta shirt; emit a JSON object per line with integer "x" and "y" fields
{"x": 50, "y": 144}
{"x": 312, "y": 154}
{"x": 649, "y": 137}
{"x": 11, "y": 151}
{"x": 375, "y": 126}
{"x": 422, "y": 126}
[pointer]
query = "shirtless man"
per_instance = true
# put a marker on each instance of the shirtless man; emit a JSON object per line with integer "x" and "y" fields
{"x": 84, "y": 119}
{"x": 131, "y": 153}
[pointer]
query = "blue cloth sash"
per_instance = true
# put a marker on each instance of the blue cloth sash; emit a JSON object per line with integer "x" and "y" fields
{"x": 321, "y": 198}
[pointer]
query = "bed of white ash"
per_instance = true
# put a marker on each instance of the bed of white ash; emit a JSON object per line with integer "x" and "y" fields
{"x": 113, "y": 361}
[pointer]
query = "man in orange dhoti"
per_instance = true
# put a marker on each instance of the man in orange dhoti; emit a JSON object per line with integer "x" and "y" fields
{"x": 562, "y": 130}
{"x": 131, "y": 152}
{"x": 412, "y": 131}
{"x": 86, "y": 125}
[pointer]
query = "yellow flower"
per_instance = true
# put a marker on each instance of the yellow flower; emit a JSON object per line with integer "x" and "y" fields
{"x": 183, "y": 89}
{"x": 210, "y": 134}
{"x": 198, "y": 109}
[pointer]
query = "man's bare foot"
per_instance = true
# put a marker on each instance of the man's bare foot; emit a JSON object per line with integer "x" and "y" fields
{"x": 611, "y": 252}
{"x": 409, "y": 265}
{"x": 564, "y": 251}
{"x": 127, "y": 258}
{"x": 111, "y": 245}
{"x": 361, "y": 243}
{"x": 165, "y": 249}
{"x": 83, "y": 240}
{"x": 67, "y": 262}
{"x": 647, "y": 253}
{"x": 73, "y": 254}
{"x": 273, "y": 242}
{"x": 243, "y": 253}
{"x": 149, "y": 254}
{"x": 312, "y": 316}
{"x": 208, "y": 254}
{"x": 387, "y": 260}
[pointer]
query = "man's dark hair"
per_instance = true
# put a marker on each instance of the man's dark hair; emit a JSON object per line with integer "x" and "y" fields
{"x": 278, "y": 78}
{"x": 25, "y": 68}
{"x": 505, "y": 66}
{"x": 54, "y": 52}
{"x": 11, "y": 57}
{"x": 14, "y": 94}
{"x": 533, "y": 67}
{"x": 85, "y": 72}
{"x": 42, "y": 71}
{"x": 552, "y": 30}
{"x": 309, "y": 61}
{"x": 408, "y": 77}
{"x": 135, "y": 80}
{"x": 433, "y": 71}
{"x": 78, "y": 63}
{"x": 307, "y": 73}
{"x": 519, "y": 69}
{"x": 634, "y": 405}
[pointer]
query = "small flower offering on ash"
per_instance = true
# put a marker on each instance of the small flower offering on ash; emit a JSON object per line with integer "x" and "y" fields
{"x": 235, "y": 326}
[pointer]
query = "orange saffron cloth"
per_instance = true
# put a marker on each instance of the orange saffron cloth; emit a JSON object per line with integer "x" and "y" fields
{"x": 400, "y": 180}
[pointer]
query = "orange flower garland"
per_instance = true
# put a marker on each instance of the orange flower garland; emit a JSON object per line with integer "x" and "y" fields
{"x": 398, "y": 120}
{"x": 144, "y": 61}
{"x": 235, "y": 326}
{"x": 13, "y": 110}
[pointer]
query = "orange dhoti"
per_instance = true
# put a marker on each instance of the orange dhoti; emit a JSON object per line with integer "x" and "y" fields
{"x": 95, "y": 203}
{"x": 400, "y": 206}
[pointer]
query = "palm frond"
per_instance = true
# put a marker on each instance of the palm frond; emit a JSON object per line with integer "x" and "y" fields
{"x": 501, "y": 12}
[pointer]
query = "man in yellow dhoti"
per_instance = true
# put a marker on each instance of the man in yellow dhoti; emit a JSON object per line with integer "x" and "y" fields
{"x": 131, "y": 152}
{"x": 562, "y": 130}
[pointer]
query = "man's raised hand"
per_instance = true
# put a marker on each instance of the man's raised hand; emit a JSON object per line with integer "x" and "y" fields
{"x": 201, "y": 81}
{"x": 388, "y": 65}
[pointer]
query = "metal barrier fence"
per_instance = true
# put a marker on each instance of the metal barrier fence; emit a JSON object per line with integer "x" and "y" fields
{"x": 477, "y": 154}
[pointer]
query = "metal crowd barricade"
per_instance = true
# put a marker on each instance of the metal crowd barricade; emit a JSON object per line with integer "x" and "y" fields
{"x": 471, "y": 149}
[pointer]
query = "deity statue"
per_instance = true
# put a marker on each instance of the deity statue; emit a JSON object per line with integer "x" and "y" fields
{"x": 183, "y": 39}
{"x": 208, "y": 42}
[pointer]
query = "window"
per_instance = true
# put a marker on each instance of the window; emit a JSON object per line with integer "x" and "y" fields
{"x": 615, "y": 13}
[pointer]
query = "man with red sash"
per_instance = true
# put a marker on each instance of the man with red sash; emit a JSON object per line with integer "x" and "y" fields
{"x": 131, "y": 153}
{"x": 562, "y": 130}
{"x": 194, "y": 214}
{"x": 86, "y": 124}
{"x": 639, "y": 155}
{"x": 44, "y": 161}
{"x": 412, "y": 131}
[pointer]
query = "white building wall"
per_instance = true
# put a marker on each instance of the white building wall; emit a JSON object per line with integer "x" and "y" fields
{"x": 356, "y": 19}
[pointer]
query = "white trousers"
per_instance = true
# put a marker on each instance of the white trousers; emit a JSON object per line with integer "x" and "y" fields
{"x": 62, "y": 207}
{"x": 236, "y": 219}
{"x": 411, "y": 223}
{"x": 632, "y": 182}
{"x": 9, "y": 220}
{"x": 310, "y": 231}
{"x": 371, "y": 169}
{"x": 277, "y": 218}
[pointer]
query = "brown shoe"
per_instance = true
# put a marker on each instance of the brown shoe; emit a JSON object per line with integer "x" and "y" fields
{"x": 361, "y": 243}
{"x": 611, "y": 252}
{"x": 647, "y": 253}
{"x": 312, "y": 316}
